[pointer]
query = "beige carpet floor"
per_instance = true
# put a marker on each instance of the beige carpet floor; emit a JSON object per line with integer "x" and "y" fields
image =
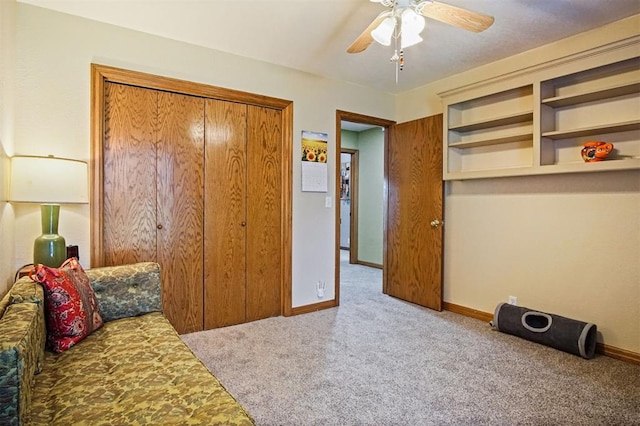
{"x": 376, "y": 360}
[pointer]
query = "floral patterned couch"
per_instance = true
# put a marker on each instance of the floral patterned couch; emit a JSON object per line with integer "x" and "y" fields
{"x": 135, "y": 369}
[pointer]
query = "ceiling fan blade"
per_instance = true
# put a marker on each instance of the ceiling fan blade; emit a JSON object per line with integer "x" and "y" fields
{"x": 364, "y": 40}
{"x": 456, "y": 16}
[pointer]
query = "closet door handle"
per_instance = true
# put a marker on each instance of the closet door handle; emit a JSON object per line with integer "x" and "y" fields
{"x": 159, "y": 226}
{"x": 243, "y": 223}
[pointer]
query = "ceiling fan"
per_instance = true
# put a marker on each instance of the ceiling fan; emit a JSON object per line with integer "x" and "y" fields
{"x": 404, "y": 21}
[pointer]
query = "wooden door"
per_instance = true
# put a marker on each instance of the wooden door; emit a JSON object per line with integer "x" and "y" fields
{"x": 264, "y": 213}
{"x": 413, "y": 261}
{"x": 225, "y": 214}
{"x": 243, "y": 213}
{"x": 180, "y": 209}
{"x": 153, "y": 192}
{"x": 129, "y": 155}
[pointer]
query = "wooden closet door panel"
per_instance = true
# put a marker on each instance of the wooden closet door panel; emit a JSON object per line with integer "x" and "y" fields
{"x": 225, "y": 213}
{"x": 180, "y": 195}
{"x": 129, "y": 191}
{"x": 264, "y": 215}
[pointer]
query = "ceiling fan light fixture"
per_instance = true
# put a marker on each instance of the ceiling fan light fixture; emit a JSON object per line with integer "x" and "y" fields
{"x": 420, "y": 5}
{"x": 412, "y": 22}
{"x": 412, "y": 26}
{"x": 409, "y": 39}
{"x": 383, "y": 33}
{"x": 385, "y": 3}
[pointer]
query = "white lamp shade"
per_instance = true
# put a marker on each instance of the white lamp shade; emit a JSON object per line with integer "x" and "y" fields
{"x": 412, "y": 26}
{"x": 412, "y": 22}
{"x": 383, "y": 33}
{"x": 409, "y": 39}
{"x": 48, "y": 180}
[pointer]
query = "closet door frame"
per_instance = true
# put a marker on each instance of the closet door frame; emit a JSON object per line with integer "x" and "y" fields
{"x": 100, "y": 74}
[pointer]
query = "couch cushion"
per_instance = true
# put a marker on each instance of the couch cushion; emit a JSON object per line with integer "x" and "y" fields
{"x": 72, "y": 311}
{"x": 22, "y": 335}
{"x": 132, "y": 371}
{"x": 127, "y": 290}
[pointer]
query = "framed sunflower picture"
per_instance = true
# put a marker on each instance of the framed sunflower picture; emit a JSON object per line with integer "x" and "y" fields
{"x": 314, "y": 161}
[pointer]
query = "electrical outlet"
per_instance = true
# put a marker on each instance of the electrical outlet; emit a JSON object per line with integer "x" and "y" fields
{"x": 320, "y": 289}
{"x": 513, "y": 300}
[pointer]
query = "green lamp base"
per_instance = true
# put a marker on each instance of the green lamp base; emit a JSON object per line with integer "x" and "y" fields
{"x": 50, "y": 248}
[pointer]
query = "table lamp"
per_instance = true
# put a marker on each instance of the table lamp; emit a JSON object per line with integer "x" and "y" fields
{"x": 50, "y": 181}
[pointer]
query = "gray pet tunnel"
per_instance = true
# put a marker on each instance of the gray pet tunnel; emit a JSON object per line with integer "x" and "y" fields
{"x": 576, "y": 337}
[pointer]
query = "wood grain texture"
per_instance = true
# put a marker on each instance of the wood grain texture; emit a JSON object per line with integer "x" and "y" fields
{"x": 136, "y": 78}
{"x": 96, "y": 169}
{"x": 225, "y": 217}
{"x": 264, "y": 231}
{"x": 456, "y": 16}
{"x": 103, "y": 75}
{"x": 286, "y": 242}
{"x": 467, "y": 312}
{"x": 365, "y": 39}
{"x": 129, "y": 155}
{"x": 180, "y": 210}
{"x": 414, "y": 248}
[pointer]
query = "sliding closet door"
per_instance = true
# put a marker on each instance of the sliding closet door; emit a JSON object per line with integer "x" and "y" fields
{"x": 225, "y": 213}
{"x": 264, "y": 230}
{"x": 129, "y": 157}
{"x": 199, "y": 185}
{"x": 153, "y": 192}
{"x": 180, "y": 194}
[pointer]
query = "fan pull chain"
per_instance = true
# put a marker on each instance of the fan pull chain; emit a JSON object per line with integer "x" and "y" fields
{"x": 395, "y": 59}
{"x": 398, "y": 58}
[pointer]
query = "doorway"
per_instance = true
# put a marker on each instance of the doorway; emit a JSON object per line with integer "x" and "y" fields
{"x": 364, "y": 246}
{"x": 349, "y": 160}
{"x": 412, "y": 208}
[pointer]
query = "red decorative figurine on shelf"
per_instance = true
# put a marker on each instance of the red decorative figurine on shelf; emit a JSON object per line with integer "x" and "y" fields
{"x": 596, "y": 151}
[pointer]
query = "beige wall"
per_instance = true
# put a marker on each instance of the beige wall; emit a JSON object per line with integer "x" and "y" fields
{"x": 54, "y": 52}
{"x": 7, "y": 67}
{"x": 565, "y": 244}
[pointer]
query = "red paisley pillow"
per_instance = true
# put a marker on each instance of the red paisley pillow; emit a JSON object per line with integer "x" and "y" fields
{"x": 72, "y": 311}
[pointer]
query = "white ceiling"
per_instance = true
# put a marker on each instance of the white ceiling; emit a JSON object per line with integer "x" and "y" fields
{"x": 313, "y": 35}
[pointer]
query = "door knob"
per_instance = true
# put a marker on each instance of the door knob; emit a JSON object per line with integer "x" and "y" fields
{"x": 159, "y": 227}
{"x": 435, "y": 223}
{"x": 243, "y": 223}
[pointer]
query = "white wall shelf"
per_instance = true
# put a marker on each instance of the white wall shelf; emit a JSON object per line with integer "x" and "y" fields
{"x": 608, "y": 92}
{"x": 515, "y": 118}
{"x": 540, "y": 127}
{"x": 515, "y": 136}
{"x": 593, "y": 130}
